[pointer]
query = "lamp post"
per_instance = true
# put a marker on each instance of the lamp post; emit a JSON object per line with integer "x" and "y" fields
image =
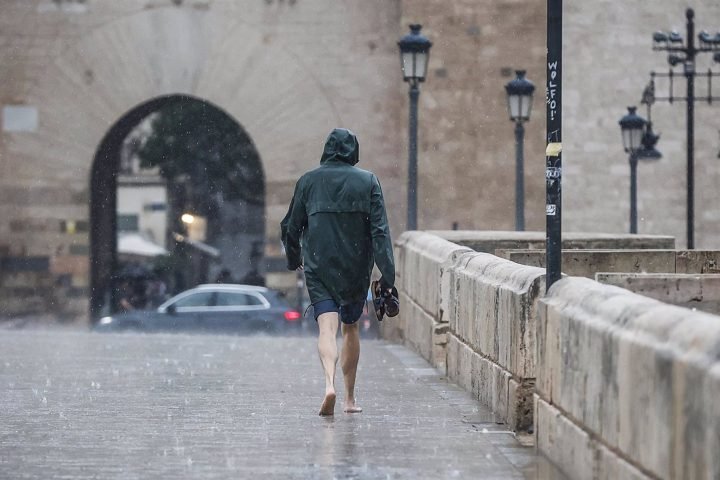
{"x": 632, "y": 126}
{"x": 639, "y": 141}
{"x": 683, "y": 51}
{"x": 414, "y": 53}
{"x": 519, "y": 98}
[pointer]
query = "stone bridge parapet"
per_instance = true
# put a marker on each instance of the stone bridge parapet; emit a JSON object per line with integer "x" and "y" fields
{"x": 612, "y": 384}
{"x": 627, "y": 387}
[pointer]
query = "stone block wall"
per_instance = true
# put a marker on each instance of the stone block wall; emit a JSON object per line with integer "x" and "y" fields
{"x": 627, "y": 386}
{"x": 586, "y": 263}
{"x": 701, "y": 292}
{"x": 472, "y": 314}
{"x": 279, "y": 68}
{"x": 617, "y": 385}
{"x": 490, "y": 241}
{"x": 421, "y": 263}
{"x": 491, "y": 339}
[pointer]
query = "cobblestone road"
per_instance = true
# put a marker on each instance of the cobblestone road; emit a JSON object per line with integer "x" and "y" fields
{"x": 83, "y": 405}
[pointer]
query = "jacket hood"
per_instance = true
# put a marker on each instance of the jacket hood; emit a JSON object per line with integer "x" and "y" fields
{"x": 341, "y": 145}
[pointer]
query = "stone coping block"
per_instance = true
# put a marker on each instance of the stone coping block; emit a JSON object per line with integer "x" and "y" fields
{"x": 422, "y": 260}
{"x": 639, "y": 376}
{"x": 489, "y": 241}
{"x": 494, "y": 307}
{"x": 585, "y": 263}
{"x": 686, "y": 290}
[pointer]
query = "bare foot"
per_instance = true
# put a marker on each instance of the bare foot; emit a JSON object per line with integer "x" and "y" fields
{"x": 350, "y": 407}
{"x": 328, "y": 405}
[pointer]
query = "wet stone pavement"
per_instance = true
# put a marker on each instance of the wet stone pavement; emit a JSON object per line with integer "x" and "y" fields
{"x": 83, "y": 405}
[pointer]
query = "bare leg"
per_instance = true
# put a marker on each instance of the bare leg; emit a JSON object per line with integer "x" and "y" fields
{"x": 349, "y": 361}
{"x": 327, "y": 348}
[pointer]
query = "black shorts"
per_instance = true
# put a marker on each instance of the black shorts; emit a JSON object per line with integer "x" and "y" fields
{"x": 348, "y": 314}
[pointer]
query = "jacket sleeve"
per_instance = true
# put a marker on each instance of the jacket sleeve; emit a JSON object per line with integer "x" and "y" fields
{"x": 291, "y": 229}
{"x": 380, "y": 231}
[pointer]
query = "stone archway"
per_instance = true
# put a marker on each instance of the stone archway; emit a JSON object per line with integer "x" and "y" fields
{"x": 111, "y": 71}
{"x": 238, "y": 228}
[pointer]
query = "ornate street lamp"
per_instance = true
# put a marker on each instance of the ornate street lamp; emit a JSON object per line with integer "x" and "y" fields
{"x": 414, "y": 53}
{"x": 682, "y": 50}
{"x": 633, "y": 126}
{"x": 519, "y": 98}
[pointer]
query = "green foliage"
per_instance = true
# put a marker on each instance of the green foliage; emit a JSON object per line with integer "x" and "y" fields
{"x": 195, "y": 140}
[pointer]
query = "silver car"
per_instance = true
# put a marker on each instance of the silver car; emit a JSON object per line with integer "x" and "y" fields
{"x": 221, "y": 308}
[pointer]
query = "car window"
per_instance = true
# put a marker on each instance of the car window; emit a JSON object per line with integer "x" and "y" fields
{"x": 234, "y": 299}
{"x": 275, "y": 299}
{"x": 200, "y": 299}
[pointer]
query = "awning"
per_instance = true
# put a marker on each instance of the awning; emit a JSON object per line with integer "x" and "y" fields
{"x": 198, "y": 245}
{"x": 136, "y": 244}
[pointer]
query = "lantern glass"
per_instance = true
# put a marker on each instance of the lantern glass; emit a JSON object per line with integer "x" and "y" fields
{"x": 632, "y": 127}
{"x": 632, "y": 138}
{"x": 519, "y": 107}
{"x": 526, "y": 106}
{"x": 514, "y": 106}
{"x": 421, "y": 61}
{"x": 408, "y": 65}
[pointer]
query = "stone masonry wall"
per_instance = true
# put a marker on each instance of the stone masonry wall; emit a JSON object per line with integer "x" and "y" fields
{"x": 607, "y": 59}
{"x": 473, "y": 315}
{"x": 627, "y": 386}
{"x": 491, "y": 241}
{"x": 701, "y": 292}
{"x": 586, "y": 263}
{"x": 287, "y": 71}
{"x": 617, "y": 385}
{"x": 422, "y": 261}
{"x": 491, "y": 341}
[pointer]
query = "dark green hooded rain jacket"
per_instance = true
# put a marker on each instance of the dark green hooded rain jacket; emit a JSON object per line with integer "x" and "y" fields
{"x": 336, "y": 226}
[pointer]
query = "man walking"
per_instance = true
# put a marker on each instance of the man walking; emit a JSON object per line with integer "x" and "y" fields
{"x": 335, "y": 229}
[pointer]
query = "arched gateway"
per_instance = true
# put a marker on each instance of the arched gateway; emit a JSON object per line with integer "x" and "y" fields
{"x": 280, "y": 83}
{"x": 235, "y": 218}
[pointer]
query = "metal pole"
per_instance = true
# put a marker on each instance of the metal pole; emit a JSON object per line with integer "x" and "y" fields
{"x": 633, "y": 192}
{"x": 519, "y": 177}
{"x": 690, "y": 75}
{"x": 553, "y": 152}
{"x": 412, "y": 160}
